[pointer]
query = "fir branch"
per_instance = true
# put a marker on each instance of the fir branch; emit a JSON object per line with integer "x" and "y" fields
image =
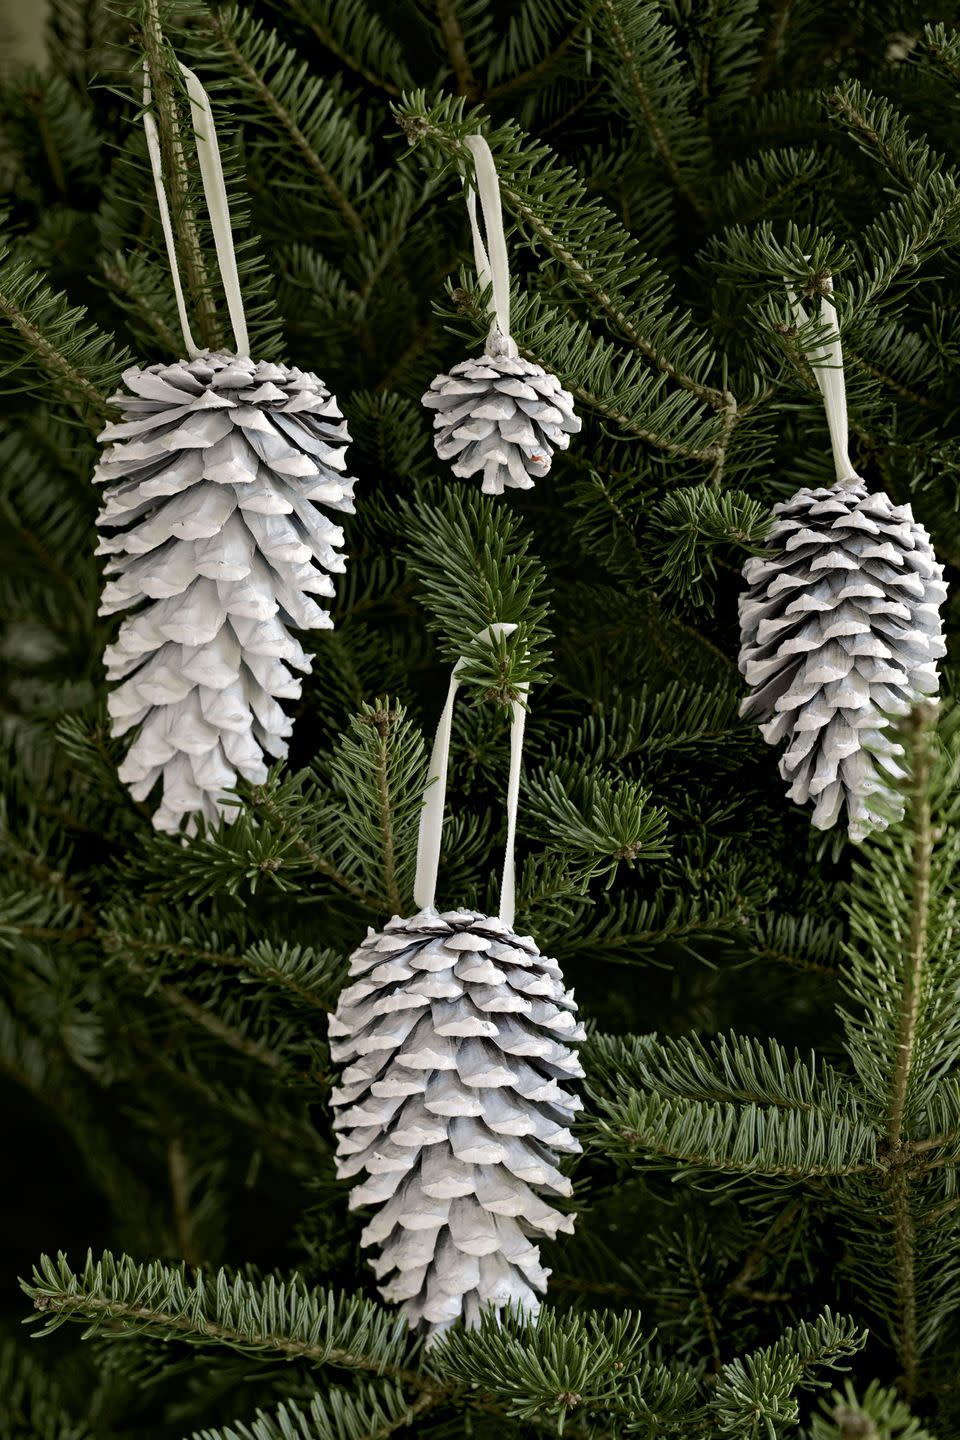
{"x": 456, "y": 49}
{"x": 759, "y": 1389}
{"x": 376, "y": 778}
{"x": 919, "y": 822}
{"x": 474, "y": 565}
{"x": 206, "y": 1018}
{"x": 282, "y": 1317}
{"x": 128, "y": 281}
{"x": 371, "y": 1413}
{"x": 523, "y": 79}
{"x": 72, "y": 356}
{"x": 253, "y": 53}
{"x": 353, "y": 36}
{"x": 165, "y": 90}
{"x": 642, "y": 50}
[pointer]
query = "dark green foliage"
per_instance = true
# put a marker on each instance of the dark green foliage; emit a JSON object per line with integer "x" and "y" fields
{"x": 772, "y": 1113}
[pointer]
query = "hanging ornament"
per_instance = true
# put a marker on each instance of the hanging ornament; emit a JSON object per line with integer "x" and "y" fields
{"x": 219, "y": 479}
{"x": 500, "y": 416}
{"x": 454, "y": 1103}
{"x": 840, "y": 629}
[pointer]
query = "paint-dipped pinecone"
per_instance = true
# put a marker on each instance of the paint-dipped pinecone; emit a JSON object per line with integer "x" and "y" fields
{"x": 841, "y": 632}
{"x": 217, "y": 481}
{"x": 455, "y": 1036}
{"x": 503, "y": 417}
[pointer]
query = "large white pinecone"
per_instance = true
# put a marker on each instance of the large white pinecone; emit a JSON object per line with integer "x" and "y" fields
{"x": 455, "y": 1036}
{"x": 217, "y": 541}
{"x": 841, "y": 632}
{"x": 503, "y": 416}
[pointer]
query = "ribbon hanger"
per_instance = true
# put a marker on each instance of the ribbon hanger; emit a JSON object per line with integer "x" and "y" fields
{"x": 218, "y": 207}
{"x": 493, "y": 268}
{"x": 827, "y": 363}
{"x": 431, "y": 816}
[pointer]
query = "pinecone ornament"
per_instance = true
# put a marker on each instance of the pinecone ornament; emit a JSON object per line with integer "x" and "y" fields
{"x": 500, "y": 416}
{"x": 218, "y": 480}
{"x": 456, "y": 1040}
{"x": 841, "y": 632}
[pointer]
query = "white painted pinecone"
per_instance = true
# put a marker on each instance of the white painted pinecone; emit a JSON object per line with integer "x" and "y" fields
{"x": 503, "y": 416}
{"x": 217, "y": 542}
{"x": 455, "y": 1036}
{"x": 840, "y": 631}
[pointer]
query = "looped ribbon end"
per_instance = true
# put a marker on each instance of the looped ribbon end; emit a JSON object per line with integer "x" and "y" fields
{"x": 431, "y": 816}
{"x": 493, "y": 269}
{"x": 218, "y": 207}
{"x": 827, "y": 363}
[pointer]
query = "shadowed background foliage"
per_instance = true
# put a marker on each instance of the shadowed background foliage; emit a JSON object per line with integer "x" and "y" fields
{"x": 162, "y": 1007}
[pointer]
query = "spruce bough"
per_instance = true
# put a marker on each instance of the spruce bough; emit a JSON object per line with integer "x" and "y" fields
{"x": 768, "y": 1239}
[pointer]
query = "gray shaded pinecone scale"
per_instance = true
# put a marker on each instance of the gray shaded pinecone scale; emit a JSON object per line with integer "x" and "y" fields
{"x": 213, "y": 520}
{"x": 455, "y": 1036}
{"x": 841, "y": 632}
{"x": 502, "y": 416}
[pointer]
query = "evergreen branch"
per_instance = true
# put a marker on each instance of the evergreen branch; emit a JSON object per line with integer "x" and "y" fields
{"x": 660, "y": 1134}
{"x": 273, "y": 802}
{"x": 322, "y": 19}
{"x": 249, "y": 51}
{"x": 550, "y": 1366}
{"x": 642, "y": 49}
{"x": 755, "y": 1395}
{"x": 527, "y": 77}
{"x": 882, "y": 134}
{"x": 732, "y": 1067}
{"x": 594, "y": 822}
{"x": 214, "y": 1024}
{"x": 165, "y": 90}
{"x": 72, "y": 356}
{"x": 456, "y": 49}
{"x": 690, "y": 524}
{"x": 659, "y": 722}
{"x": 126, "y": 279}
{"x": 634, "y": 929}
{"x": 919, "y": 821}
{"x": 904, "y": 1276}
{"x": 282, "y": 1317}
{"x": 803, "y": 942}
{"x": 372, "y": 1412}
{"x": 376, "y": 777}
{"x": 876, "y": 1413}
{"x": 473, "y": 562}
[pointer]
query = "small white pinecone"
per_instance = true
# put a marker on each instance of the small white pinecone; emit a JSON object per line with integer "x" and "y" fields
{"x": 455, "y": 1036}
{"x": 503, "y": 416}
{"x": 841, "y": 632}
{"x": 217, "y": 541}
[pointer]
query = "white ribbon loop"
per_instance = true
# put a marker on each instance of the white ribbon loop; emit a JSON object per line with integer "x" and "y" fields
{"x": 494, "y": 268}
{"x": 218, "y": 207}
{"x": 827, "y": 363}
{"x": 431, "y": 816}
